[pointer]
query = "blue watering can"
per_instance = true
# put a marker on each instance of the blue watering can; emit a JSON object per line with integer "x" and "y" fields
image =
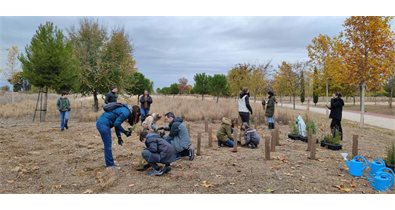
{"x": 376, "y": 165}
{"x": 383, "y": 180}
{"x": 357, "y": 165}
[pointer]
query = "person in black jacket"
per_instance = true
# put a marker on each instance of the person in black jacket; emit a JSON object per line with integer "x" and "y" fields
{"x": 145, "y": 101}
{"x": 336, "y": 108}
{"x": 244, "y": 106}
{"x": 111, "y": 96}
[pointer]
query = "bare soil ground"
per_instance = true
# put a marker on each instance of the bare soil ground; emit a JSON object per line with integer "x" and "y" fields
{"x": 38, "y": 158}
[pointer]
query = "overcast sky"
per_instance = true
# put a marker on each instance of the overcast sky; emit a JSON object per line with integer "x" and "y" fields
{"x": 168, "y": 48}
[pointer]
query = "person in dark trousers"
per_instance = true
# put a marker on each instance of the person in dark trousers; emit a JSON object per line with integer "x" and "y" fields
{"x": 145, "y": 101}
{"x": 178, "y": 136}
{"x": 115, "y": 118}
{"x": 244, "y": 106}
{"x": 111, "y": 96}
{"x": 63, "y": 105}
{"x": 336, "y": 108}
{"x": 157, "y": 150}
{"x": 270, "y": 105}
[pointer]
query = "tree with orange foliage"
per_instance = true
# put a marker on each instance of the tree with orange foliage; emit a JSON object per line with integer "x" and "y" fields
{"x": 369, "y": 53}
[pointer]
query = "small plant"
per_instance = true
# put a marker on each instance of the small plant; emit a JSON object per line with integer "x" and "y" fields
{"x": 294, "y": 129}
{"x": 311, "y": 125}
{"x": 390, "y": 159}
{"x": 336, "y": 139}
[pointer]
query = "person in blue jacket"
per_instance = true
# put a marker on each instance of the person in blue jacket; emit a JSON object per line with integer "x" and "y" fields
{"x": 115, "y": 118}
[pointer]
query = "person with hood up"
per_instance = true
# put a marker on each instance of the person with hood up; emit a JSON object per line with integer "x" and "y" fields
{"x": 224, "y": 134}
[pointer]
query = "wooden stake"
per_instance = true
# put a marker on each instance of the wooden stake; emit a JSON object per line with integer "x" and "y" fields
{"x": 312, "y": 144}
{"x": 277, "y": 137}
{"x": 354, "y": 145}
{"x": 235, "y": 144}
{"x": 199, "y": 144}
{"x": 210, "y": 137}
{"x": 273, "y": 141}
{"x": 189, "y": 130}
{"x": 267, "y": 147}
{"x": 205, "y": 125}
{"x": 309, "y": 140}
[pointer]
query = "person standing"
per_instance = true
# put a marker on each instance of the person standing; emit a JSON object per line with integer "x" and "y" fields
{"x": 244, "y": 106}
{"x": 336, "y": 108}
{"x": 63, "y": 105}
{"x": 270, "y": 105}
{"x": 115, "y": 118}
{"x": 111, "y": 96}
{"x": 145, "y": 101}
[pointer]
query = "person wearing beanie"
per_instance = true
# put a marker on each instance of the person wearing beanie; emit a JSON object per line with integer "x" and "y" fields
{"x": 251, "y": 136}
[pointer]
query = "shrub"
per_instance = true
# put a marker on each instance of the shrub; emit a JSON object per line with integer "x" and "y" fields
{"x": 390, "y": 159}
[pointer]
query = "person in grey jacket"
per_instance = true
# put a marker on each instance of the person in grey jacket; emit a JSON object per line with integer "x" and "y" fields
{"x": 178, "y": 136}
{"x": 251, "y": 136}
{"x": 157, "y": 150}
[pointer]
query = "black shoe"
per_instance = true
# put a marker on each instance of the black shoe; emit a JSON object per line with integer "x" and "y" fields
{"x": 145, "y": 167}
{"x": 166, "y": 169}
{"x": 65, "y": 124}
{"x": 191, "y": 154}
{"x": 220, "y": 144}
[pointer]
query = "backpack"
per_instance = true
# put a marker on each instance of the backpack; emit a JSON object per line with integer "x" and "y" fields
{"x": 112, "y": 106}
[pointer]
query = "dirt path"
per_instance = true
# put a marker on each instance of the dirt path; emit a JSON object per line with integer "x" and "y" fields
{"x": 378, "y": 120}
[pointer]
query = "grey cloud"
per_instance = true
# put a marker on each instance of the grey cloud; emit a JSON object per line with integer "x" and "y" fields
{"x": 167, "y": 48}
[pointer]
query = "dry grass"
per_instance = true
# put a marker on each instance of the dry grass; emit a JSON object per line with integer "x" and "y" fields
{"x": 189, "y": 107}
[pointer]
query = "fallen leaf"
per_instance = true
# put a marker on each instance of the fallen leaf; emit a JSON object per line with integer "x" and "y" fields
{"x": 269, "y": 190}
{"x": 131, "y": 185}
{"x": 88, "y": 191}
{"x": 288, "y": 174}
{"x": 218, "y": 176}
{"x": 353, "y": 184}
{"x": 250, "y": 191}
{"x": 10, "y": 181}
{"x": 206, "y": 184}
{"x": 232, "y": 183}
{"x": 57, "y": 186}
{"x": 346, "y": 189}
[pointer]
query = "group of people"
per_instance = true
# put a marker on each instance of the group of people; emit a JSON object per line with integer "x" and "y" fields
{"x": 165, "y": 149}
{"x": 159, "y": 148}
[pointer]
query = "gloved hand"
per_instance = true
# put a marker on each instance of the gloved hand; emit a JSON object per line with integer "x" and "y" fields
{"x": 127, "y": 133}
{"x": 120, "y": 141}
{"x": 162, "y": 133}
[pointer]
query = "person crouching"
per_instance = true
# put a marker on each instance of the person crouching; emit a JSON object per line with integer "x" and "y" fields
{"x": 251, "y": 137}
{"x": 157, "y": 150}
{"x": 224, "y": 134}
